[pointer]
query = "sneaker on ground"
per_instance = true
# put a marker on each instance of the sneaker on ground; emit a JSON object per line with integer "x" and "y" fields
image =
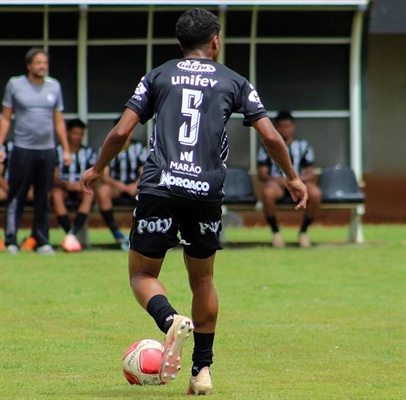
{"x": 2, "y": 245}
{"x": 201, "y": 384}
{"x": 277, "y": 240}
{"x": 304, "y": 240}
{"x": 29, "y": 244}
{"x": 175, "y": 339}
{"x": 71, "y": 244}
{"x": 46, "y": 249}
{"x": 12, "y": 249}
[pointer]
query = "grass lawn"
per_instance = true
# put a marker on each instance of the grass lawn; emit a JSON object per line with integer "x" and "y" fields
{"x": 296, "y": 324}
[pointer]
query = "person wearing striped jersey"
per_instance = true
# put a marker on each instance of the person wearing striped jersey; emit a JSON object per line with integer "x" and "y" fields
{"x": 67, "y": 184}
{"x": 273, "y": 189}
{"x": 121, "y": 179}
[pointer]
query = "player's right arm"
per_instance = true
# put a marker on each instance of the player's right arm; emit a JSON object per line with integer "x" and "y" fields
{"x": 5, "y": 123}
{"x": 276, "y": 148}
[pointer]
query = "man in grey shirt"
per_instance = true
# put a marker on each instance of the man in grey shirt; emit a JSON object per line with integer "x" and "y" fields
{"x": 36, "y": 101}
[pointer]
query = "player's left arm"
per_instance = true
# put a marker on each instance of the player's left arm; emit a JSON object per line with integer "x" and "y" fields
{"x": 60, "y": 129}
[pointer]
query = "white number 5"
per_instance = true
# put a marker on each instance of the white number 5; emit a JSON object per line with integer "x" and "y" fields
{"x": 191, "y": 100}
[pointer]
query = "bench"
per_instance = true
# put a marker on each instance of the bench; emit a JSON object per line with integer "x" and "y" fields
{"x": 340, "y": 191}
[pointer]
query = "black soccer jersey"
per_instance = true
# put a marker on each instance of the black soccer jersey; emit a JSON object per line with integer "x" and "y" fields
{"x": 82, "y": 160}
{"x": 125, "y": 166}
{"x": 192, "y": 100}
{"x": 301, "y": 155}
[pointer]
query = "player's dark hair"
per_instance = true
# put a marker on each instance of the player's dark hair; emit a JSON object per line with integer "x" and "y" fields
{"x": 195, "y": 28}
{"x": 284, "y": 116}
{"x": 29, "y": 56}
{"x": 75, "y": 123}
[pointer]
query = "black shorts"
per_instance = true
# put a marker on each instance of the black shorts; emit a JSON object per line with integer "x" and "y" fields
{"x": 157, "y": 221}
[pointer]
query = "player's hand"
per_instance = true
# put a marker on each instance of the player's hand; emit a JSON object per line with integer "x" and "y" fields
{"x": 298, "y": 191}
{"x": 2, "y": 155}
{"x": 89, "y": 179}
{"x": 67, "y": 158}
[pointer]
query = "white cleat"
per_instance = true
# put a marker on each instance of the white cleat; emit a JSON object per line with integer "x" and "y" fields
{"x": 171, "y": 355}
{"x": 201, "y": 384}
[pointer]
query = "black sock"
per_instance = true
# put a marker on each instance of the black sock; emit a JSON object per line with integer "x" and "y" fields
{"x": 79, "y": 221}
{"x": 109, "y": 219}
{"x": 273, "y": 224}
{"x": 64, "y": 221}
{"x": 159, "y": 308}
{"x": 202, "y": 352}
{"x": 306, "y": 222}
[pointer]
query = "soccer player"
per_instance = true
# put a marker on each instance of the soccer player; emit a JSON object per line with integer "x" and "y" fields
{"x": 67, "y": 184}
{"x": 181, "y": 187}
{"x": 274, "y": 188}
{"x": 36, "y": 101}
{"x": 120, "y": 179}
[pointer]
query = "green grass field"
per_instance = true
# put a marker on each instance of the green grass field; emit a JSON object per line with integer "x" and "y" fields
{"x": 306, "y": 324}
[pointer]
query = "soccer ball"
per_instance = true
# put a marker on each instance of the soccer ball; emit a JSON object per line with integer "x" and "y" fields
{"x": 141, "y": 362}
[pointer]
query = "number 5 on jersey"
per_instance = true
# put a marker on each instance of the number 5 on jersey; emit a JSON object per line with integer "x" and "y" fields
{"x": 191, "y": 100}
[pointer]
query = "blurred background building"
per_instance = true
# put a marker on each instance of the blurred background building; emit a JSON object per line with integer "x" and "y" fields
{"x": 340, "y": 66}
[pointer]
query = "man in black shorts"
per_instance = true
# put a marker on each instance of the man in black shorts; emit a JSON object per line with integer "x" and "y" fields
{"x": 181, "y": 187}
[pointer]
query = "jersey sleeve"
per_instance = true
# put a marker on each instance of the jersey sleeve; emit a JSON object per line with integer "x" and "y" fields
{"x": 8, "y": 95}
{"x": 250, "y": 104}
{"x": 308, "y": 156}
{"x": 141, "y": 101}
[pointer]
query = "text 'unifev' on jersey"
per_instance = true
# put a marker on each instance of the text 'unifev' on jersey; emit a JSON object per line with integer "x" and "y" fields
{"x": 192, "y": 100}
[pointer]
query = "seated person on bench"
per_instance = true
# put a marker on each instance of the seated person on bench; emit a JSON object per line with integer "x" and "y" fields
{"x": 28, "y": 243}
{"x": 302, "y": 156}
{"x": 120, "y": 180}
{"x": 67, "y": 184}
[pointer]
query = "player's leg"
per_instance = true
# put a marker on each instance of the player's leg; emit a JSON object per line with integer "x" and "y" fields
{"x": 105, "y": 195}
{"x": 44, "y": 172}
{"x": 21, "y": 170}
{"x": 200, "y": 229}
{"x": 271, "y": 192}
{"x": 59, "y": 195}
{"x": 313, "y": 203}
{"x": 204, "y": 317}
{"x": 154, "y": 230}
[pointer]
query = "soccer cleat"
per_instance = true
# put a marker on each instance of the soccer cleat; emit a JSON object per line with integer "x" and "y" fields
{"x": 2, "y": 245}
{"x": 175, "y": 339}
{"x": 12, "y": 249}
{"x": 28, "y": 244}
{"x": 46, "y": 250}
{"x": 277, "y": 240}
{"x": 304, "y": 240}
{"x": 71, "y": 244}
{"x": 201, "y": 384}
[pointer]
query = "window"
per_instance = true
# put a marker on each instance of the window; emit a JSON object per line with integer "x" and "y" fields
{"x": 113, "y": 74}
{"x": 113, "y": 25}
{"x": 238, "y": 23}
{"x": 21, "y": 25}
{"x": 303, "y": 77}
{"x": 63, "y": 25}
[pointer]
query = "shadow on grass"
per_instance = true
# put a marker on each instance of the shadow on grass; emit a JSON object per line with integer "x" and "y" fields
{"x": 246, "y": 245}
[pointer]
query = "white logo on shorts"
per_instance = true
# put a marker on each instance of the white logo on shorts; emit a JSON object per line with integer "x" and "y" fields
{"x": 158, "y": 225}
{"x": 211, "y": 226}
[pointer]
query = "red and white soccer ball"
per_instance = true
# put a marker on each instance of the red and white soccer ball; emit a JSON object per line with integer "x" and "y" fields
{"x": 141, "y": 362}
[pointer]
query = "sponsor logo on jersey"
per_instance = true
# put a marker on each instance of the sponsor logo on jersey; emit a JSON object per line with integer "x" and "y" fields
{"x": 211, "y": 226}
{"x": 195, "y": 169}
{"x": 195, "y": 66}
{"x": 169, "y": 180}
{"x": 194, "y": 80}
{"x": 51, "y": 97}
{"x": 154, "y": 225}
{"x": 254, "y": 97}
{"x": 186, "y": 156}
{"x": 139, "y": 91}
